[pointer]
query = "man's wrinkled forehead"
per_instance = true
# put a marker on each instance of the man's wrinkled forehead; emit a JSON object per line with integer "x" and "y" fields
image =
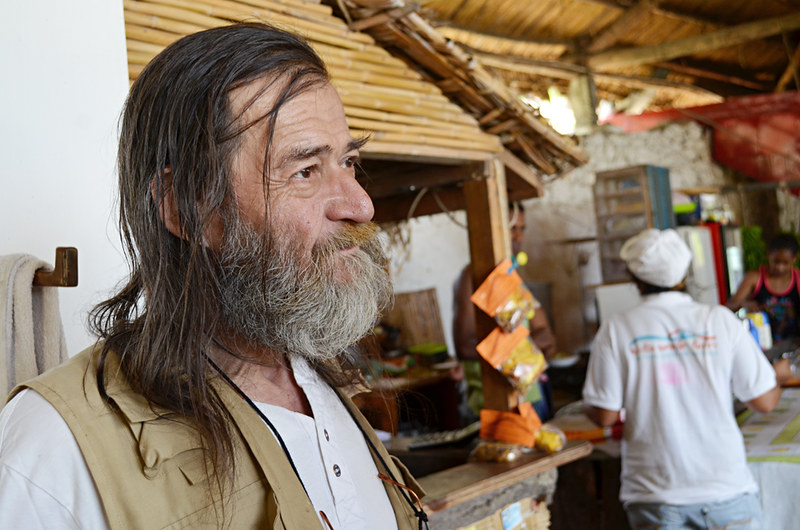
{"x": 250, "y": 102}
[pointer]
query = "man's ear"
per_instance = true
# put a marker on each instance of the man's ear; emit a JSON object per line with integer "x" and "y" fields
{"x": 164, "y": 198}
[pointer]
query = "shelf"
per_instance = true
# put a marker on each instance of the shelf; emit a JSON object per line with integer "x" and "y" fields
{"x": 605, "y": 216}
{"x": 617, "y": 235}
{"x": 629, "y": 192}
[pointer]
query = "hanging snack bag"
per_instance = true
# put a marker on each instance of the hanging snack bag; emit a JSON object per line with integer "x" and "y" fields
{"x": 503, "y": 296}
{"x": 515, "y": 356}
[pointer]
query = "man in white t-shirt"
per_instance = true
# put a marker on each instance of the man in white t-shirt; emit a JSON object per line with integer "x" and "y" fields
{"x": 674, "y": 366}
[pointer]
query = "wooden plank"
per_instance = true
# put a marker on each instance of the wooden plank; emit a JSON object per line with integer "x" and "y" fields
{"x": 397, "y": 208}
{"x": 699, "y": 43}
{"x": 489, "y": 244}
{"x": 397, "y": 181}
{"x": 460, "y": 484}
{"x": 521, "y": 170}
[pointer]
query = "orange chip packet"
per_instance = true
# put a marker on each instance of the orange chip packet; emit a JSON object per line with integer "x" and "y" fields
{"x": 518, "y": 427}
{"x": 496, "y": 288}
{"x": 502, "y": 295}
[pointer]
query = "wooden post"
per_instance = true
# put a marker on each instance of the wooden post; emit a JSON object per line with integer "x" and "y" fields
{"x": 582, "y": 96}
{"x": 489, "y": 243}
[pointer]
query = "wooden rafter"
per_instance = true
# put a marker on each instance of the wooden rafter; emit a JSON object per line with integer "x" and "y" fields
{"x": 570, "y": 71}
{"x": 609, "y": 35}
{"x": 714, "y": 75}
{"x": 708, "y": 41}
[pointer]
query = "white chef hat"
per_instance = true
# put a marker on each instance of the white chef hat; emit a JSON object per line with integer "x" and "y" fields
{"x": 658, "y": 257}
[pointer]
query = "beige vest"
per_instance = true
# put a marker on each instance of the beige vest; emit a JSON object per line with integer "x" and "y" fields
{"x": 150, "y": 473}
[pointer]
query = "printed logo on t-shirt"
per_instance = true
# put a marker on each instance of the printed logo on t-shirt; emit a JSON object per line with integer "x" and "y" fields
{"x": 676, "y": 343}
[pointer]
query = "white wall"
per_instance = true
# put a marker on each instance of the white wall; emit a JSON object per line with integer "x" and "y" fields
{"x": 64, "y": 69}
{"x": 437, "y": 251}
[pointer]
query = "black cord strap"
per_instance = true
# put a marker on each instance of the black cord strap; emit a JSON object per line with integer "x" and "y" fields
{"x": 258, "y": 411}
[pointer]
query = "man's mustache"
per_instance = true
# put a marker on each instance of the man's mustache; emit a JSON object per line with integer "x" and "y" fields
{"x": 352, "y": 235}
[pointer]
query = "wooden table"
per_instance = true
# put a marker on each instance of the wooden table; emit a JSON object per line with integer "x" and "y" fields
{"x": 466, "y": 493}
{"x": 772, "y": 441}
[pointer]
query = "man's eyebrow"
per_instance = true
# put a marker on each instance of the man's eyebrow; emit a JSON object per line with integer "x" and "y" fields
{"x": 304, "y": 153}
{"x": 355, "y": 145}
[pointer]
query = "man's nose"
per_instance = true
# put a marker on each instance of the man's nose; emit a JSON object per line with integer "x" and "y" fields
{"x": 351, "y": 201}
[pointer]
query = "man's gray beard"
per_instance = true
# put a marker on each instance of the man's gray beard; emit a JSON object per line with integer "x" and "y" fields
{"x": 278, "y": 299}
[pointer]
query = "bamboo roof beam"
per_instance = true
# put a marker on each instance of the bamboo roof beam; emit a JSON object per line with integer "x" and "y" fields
{"x": 429, "y": 139}
{"x": 472, "y": 136}
{"x": 183, "y": 22}
{"x": 212, "y": 13}
{"x": 419, "y": 121}
{"x": 381, "y": 150}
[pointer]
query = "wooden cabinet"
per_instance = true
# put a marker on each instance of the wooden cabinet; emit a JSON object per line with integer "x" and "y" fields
{"x": 626, "y": 201}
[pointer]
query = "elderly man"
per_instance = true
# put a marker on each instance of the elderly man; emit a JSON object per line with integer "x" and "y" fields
{"x": 673, "y": 365}
{"x": 218, "y": 395}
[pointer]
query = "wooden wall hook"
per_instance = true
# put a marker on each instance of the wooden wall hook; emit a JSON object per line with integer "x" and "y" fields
{"x": 65, "y": 272}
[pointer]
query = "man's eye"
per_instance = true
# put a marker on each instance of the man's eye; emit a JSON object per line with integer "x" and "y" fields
{"x": 305, "y": 173}
{"x": 350, "y": 161}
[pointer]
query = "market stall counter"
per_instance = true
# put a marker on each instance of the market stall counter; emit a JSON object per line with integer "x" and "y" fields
{"x": 461, "y": 495}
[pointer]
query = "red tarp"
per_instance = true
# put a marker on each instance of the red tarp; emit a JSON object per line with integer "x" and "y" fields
{"x": 755, "y": 135}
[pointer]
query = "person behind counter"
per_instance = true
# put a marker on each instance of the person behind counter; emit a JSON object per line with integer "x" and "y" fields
{"x": 673, "y": 365}
{"x": 465, "y": 336}
{"x": 218, "y": 397}
{"x": 774, "y": 289}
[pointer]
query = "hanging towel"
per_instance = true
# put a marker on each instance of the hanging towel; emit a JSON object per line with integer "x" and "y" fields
{"x": 31, "y": 333}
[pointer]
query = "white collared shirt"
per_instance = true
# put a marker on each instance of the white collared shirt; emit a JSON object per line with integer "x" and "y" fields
{"x": 44, "y": 481}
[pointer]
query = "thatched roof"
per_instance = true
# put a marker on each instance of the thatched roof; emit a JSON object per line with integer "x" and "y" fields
{"x": 683, "y": 52}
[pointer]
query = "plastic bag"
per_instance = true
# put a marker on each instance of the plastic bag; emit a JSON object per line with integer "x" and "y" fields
{"x": 493, "y": 451}
{"x": 550, "y": 438}
{"x": 516, "y": 309}
{"x": 515, "y": 356}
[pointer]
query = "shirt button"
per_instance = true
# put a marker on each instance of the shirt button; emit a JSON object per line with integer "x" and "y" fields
{"x": 336, "y": 470}
{"x": 325, "y": 432}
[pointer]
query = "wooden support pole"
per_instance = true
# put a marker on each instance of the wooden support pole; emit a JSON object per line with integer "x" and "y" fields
{"x": 699, "y": 43}
{"x": 489, "y": 243}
